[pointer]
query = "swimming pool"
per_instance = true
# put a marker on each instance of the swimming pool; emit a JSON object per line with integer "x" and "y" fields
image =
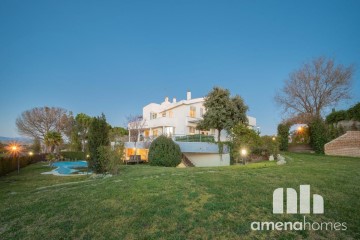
{"x": 68, "y": 168}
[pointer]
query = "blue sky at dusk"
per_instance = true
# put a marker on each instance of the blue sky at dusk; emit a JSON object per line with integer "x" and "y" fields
{"x": 117, "y": 56}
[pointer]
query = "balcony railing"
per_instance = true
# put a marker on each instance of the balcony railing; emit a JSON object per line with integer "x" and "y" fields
{"x": 194, "y": 138}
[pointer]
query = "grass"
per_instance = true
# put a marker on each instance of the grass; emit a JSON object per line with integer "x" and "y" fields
{"x": 146, "y": 202}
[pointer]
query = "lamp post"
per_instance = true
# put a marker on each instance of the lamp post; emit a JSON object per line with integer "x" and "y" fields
{"x": 14, "y": 149}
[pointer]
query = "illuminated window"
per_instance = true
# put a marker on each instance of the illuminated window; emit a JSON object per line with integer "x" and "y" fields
{"x": 192, "y": 111}
{"x": 146, "y": 133}
{"x": 155, "y": 132}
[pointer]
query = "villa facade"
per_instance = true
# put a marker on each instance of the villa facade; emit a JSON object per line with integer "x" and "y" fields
{"x": 176, "y": 119}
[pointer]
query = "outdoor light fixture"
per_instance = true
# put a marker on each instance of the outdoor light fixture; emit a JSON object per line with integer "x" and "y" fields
{"x": 87, "y": 155}
{"x": 243, "y": 155}
{"x": 274, "y": 138}
{"x": 14, "y": 150}
{"x": 243, "y": 152}
{"x": 299, "y": 129}
{"x": 31, "y": 153}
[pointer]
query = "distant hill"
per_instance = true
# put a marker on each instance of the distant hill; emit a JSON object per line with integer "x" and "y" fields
{"x": 15, "y": 139}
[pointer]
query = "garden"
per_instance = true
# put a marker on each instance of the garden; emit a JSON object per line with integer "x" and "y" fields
{"x": 212, "y": 203}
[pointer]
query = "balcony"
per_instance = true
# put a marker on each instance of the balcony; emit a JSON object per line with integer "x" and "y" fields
{"x": 192, "y": 120}
{"x": 160, "y": 122}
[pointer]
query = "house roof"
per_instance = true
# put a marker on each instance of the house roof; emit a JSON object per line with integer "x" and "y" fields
{"x": 165, "y": 106}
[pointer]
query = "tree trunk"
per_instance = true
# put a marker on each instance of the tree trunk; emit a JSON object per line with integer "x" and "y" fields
{"x": 219, "y": 133}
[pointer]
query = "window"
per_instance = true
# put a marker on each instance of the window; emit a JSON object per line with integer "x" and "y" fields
{"x": 155, "y": 132}
{"x": 171, "y": 114}
{"x": 201, "y": 112}
{"x": 164, "y": 114}
{"x": 146, "y": 133}
{"x": 169, "y": 131}
{"x": 192, "y": 111}
{"x": 153, "y": 115}
{"x": 191, "y": 130}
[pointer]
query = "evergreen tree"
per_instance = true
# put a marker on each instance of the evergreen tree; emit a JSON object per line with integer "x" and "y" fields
{"x": 283, "y": 136}
{"x": 223, "y": 111}
{"x": 98, "y": 136}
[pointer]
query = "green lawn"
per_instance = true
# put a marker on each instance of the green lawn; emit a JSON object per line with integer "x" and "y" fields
{"x": 146, "y": 202}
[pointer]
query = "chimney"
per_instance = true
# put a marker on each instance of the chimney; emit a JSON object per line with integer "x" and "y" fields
{"x": 188, "y": 95}
{"x": 166, "y": 99}
{"x": 174, "y": 100}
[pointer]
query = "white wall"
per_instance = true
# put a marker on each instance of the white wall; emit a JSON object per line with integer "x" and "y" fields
{"x": 208, "y": 159}
{"x": 181, "y": 116}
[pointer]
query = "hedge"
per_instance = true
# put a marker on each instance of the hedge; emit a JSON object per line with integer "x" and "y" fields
{"x": 352, "y": 113}
{"x": 10, "y": 164}
{"x": 283, "y": 136}
{"x": 318, "y": 135}
{"x": 73, "y": 155}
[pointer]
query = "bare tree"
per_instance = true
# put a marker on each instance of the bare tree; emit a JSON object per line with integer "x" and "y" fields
{"x": 136, "y": 124}
{"x": 315, "y": 86}
{"x": 37, "y": 122}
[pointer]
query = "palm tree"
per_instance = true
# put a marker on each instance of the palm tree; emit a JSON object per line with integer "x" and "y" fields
{"x": 53, "y": 139}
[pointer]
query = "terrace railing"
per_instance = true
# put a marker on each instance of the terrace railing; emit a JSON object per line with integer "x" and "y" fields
{"x": 194, "y": 138}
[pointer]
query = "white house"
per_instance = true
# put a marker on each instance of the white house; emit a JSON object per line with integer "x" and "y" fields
{"x": 177, "y": 119}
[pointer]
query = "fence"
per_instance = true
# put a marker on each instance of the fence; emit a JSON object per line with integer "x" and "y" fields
{"x": 9, "y": 164}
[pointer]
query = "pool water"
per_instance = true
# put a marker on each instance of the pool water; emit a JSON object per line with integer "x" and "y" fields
{"x": 68, "y": 168}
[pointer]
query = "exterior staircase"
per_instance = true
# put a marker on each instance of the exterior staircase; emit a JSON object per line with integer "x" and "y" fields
{"x": 186, "y": 161}
{"x": 300, "y": 148}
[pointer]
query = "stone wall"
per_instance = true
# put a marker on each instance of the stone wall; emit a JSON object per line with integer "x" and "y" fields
{"x": 345, "y": 145}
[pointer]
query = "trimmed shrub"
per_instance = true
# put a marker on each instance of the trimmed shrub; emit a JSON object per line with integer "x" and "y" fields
{"x": 165, "y": 152}
{"x": 283, "y": 136}
{"x": 318, "y": 135}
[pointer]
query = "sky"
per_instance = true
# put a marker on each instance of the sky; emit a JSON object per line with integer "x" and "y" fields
{"x": 114, "y": 57}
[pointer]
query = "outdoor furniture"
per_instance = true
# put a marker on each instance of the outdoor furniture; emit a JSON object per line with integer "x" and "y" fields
{"x": 134, "y": 159}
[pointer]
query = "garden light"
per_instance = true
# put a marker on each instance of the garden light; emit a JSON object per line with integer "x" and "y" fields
{"x": 14, "y": 150}
{"x": 243, "y": 152}
{"x": 31, "y": 153}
